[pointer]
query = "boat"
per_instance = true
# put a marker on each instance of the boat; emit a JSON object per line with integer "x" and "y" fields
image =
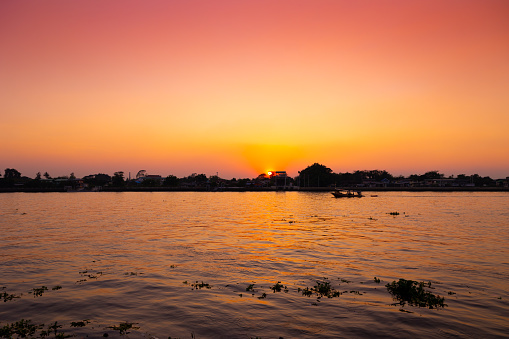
{"x": 346, "y": 194}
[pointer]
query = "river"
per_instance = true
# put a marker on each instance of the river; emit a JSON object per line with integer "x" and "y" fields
{"x": 250, "y": 264}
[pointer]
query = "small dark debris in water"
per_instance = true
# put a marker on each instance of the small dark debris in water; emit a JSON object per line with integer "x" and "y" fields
{"x": 403, "y": 310}
{"x": 263, "y": 296}
{"x": 250, "y": 287}
{"x": 451, "y": 292}
{"x": 500, "y": 298}
{"x": 240, "y": 295}
{"x": 105, "y": 335}
{"x": 376, "y": 280}
{"x": 393, "y": 213}
{"x": 58, "y": 287}
{"x": 173, "y": 266}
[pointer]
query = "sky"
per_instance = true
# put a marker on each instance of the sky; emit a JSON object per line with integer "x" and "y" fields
{"x": 237, "y": 88}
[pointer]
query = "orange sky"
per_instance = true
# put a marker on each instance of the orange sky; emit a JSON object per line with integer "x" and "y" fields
{"x": 240, "y": 87}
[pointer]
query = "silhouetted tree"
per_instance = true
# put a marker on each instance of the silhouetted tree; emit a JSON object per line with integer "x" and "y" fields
{"x": 118, "y": 179}
{"x": 38, "y": 176}
{"x": 46, "y": 175}
{"x": 171, "y": 181}
{"x": 97, "y": 179}
{"x": 72, "y": 176}
{"x": 11, "y": 173}
{"x": 433, "y": 175}
{"x": 316, "y": 175}
{"x": 482, "y": 181}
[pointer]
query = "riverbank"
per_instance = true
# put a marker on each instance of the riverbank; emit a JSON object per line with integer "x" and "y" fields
{"x": 258, "y": 189}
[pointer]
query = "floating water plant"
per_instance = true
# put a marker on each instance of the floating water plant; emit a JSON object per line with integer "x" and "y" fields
{"x": 413, "y": 293}
{"x": 80, "y": 323}
{"x": 22, "y": 329}
{"x": 201, "y": 285}
{"x": 37, "y": 292}
{"x": 306, "y": 292}
{"x": 124, "y": 327}
{"x": 25, "y": 329}
{"x": 321, "y": 289}
{"x": 376, "y": 280}
{"x": 8, "y": 297}
{"x": 132, "y": 273}
{"x": 250, "y": 287}
{"x": 393, "y": 213}
{"x": 55, "y": 288}
{"x": 278, "y": 286}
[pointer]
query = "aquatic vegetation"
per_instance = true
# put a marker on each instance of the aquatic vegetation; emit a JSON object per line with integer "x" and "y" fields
{"x": 263, "y": 296}
{"x": 201, "y": 285}
{"x": 278, "y": 286}
{"x": 377, "y": 280}
{"x": 413, "y": 293}
{"x": 321, "y": 289}
{"x": 54, "y": 328}
{"x": 393, "y": 213}
{"x": 22, "y": 329}
{"x": 8, "y": 297}
{"x": 80, "y": 323}
{"x": 37, "y": 292}
{"x": 250, "y": 287}
{"x": 124, "y": 327}
{"x": 306, "y": 292}
{"x": 25, "y": 329}
{"x": 55, "y": 288}
{"x": 132, "y": 273}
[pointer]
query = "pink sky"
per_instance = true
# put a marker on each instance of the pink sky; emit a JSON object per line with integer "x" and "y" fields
{"x": 241, "y": 87}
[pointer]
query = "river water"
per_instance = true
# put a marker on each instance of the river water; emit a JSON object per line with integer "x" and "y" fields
{"x": 181, "y": 264}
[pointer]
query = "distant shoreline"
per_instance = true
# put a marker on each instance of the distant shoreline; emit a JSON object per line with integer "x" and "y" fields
{"x": 262, "y": 189}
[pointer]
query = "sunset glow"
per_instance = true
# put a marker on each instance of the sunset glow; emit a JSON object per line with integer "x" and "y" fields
{"x": 239, "y": 87}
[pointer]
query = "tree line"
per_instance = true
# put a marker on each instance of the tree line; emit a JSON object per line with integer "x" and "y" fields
{"x": 315, "y": 175}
